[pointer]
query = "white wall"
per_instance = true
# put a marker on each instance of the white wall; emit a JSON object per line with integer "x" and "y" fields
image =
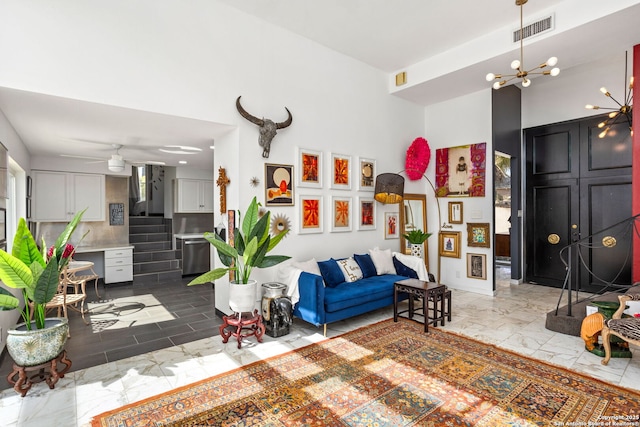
{"x": 462, "y": 121}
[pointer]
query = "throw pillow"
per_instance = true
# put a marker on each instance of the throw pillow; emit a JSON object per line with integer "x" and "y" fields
{"x": 350, "y": 269}
{"x": 366, "y": 265}
{"x": 331, "y": 272}
{"x": 310, "y": 266}
{"x": 403, "y": 270}
{"x": 383, "y": 261}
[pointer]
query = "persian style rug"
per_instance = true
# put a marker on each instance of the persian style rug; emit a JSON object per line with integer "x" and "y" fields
{"x": 389, "y": 374}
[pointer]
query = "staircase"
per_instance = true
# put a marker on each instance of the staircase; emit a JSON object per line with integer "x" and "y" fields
{"x": 153, "y": 259}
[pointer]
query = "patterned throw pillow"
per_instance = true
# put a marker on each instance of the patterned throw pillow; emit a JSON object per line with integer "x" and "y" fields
{"x": 350, "y": 269}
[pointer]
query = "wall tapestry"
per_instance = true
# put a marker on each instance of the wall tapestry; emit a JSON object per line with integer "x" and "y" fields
{"x": 460, "y": 171}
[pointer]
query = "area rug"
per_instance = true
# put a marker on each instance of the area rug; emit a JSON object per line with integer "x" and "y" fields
{"x": 389, "y": 374}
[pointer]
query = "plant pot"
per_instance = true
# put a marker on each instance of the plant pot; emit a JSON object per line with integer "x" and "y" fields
{"x": 37, "y": 346}
{"x": 242, "y": 296}
{"x": 416, "y": 249}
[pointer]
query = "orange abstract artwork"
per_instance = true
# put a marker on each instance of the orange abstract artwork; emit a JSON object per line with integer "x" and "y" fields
{"x": 310, "y": 168}
{"x": 341, "y": 213}
{"x": 310, "y": 213}
{"x": 341, "y": 171}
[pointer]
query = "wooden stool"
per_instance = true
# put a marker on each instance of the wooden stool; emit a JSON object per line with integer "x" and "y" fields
{"x": 251, "y": 323}
{"x": 47, "y": 371}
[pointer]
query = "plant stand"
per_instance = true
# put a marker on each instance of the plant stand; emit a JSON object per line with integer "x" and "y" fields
{"x": 47, "y": 371}
{"x": 245, "y": 324}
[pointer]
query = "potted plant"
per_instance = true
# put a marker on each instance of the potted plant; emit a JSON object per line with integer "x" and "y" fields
{"x": 37, "y": 273}
{"x": 416, "y": 238}
{"x": 252, "y": 243}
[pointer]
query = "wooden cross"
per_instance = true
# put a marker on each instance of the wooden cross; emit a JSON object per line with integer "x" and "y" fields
{"x": 222, "y": 182}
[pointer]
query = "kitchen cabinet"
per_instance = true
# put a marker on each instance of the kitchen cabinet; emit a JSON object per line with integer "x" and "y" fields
{"x": 193, "y": 195}
{"x": 58, "y": 196}
{"x": 118, "y": 265}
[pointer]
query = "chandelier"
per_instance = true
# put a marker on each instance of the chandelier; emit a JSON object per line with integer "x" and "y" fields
{"x": 622, "y": 110}
{"x": 518, "y": 65}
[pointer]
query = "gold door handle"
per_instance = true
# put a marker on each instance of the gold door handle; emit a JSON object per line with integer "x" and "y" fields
{"x": 553, "y": 238}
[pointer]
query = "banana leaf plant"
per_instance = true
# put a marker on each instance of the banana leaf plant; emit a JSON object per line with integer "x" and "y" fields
{"x": 252, "y": 244}
{"x": 35, "y": 272}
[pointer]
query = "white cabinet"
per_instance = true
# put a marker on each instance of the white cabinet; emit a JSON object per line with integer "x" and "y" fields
{"x": 193, "y": 195}
{"x": 118, "y": 265}
{"x": 58, "y": 196}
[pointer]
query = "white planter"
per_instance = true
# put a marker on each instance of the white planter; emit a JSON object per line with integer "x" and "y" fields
{"x": 416, "y": 249}
{"x": 37, "y": 346}
{"x": 242, "y": 296}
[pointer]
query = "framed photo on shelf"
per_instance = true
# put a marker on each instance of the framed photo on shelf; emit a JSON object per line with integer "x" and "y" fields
{"x": 310, "y": 214}
{"x": 309, "y": 168}
{"x": 477, "y": 266}
{"x": 278, "y": 185}
{"x": 391, "y": 225}
{"x": 449, "y": 244}
{"x": 366, "y": 213}
{"x": 341, "y": 214}
{"x": 366, "y": 174}
{"x": 455, "y": 213}
{"x": 478, "y": 235}
{"x": 340, "y": 172}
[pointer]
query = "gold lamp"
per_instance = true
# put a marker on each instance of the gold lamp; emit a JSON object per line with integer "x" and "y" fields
{"x": 623, "y": 110}
{"x": 518, "y": 65}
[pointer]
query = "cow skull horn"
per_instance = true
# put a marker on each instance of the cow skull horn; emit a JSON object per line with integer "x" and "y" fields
{"x": 267, "y": 127}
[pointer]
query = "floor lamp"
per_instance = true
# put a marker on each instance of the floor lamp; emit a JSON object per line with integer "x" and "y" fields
{"x": 389, "y": 189}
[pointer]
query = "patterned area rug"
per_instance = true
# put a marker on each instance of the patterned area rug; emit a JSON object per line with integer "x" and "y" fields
{"x": 389, "y": 374}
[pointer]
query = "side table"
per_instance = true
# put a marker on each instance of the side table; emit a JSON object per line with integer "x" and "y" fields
{"x": 428, "y": 291}
{"x": 243, "y": 325}
{"x": 47, "y": 372}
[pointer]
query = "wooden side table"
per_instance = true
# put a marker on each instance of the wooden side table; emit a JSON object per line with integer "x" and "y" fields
{"x": 48, "y": 372}
{"x": 428, "y": 291}
{"x": 245, "y": 325}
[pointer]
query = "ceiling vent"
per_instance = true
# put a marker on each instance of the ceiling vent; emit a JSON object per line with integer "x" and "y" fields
{"x": 539, "y": 27}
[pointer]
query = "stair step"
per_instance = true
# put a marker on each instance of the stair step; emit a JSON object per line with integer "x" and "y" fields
{"x": 157, "y": 277}
{"x": 156, "y": 266}
{"x": 156, "y": 256}
{"x": 149, "y": 237}
{"x": 153, "y": 228}
{"x": 146, "y": 220}
{"x": 151, "y": 246}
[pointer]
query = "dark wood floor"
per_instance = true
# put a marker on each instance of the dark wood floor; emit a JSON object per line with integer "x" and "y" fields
{"x": 192, "y": 309}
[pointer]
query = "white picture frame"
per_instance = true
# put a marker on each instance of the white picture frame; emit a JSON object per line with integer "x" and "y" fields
{"x": 309, "y": 212}
{"x": 365, "y": 174}
{"x": 309, "y": 168}
{"x": 366, "y": 213}
{"x": 341, "y": 214}
{"x": 340, "y": 171}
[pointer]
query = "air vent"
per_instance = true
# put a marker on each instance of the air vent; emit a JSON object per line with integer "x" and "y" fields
{"x": 541, "y": 26}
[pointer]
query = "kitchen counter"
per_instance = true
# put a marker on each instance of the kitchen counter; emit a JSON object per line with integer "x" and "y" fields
{"x": 89, "y": 249}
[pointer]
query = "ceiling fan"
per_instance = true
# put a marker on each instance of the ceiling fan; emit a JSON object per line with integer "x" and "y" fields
{"x": 116, "y": 162}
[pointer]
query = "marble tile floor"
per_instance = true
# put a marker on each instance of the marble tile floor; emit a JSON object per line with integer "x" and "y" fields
{"x": 513, "y": 319}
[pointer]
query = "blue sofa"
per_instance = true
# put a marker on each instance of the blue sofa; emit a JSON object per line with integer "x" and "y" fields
{"x": 320, "y": 304}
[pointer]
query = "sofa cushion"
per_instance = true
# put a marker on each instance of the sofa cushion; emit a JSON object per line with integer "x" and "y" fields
{"x": 310, "y": 266}
{"x": 403, "y": 270}
{"x": 366, "y": 265}
{"x": 331, "y": 272}
{"x": 383, "y": 261}
{"x": 350, "y": 269}
{"x": 361, "y": 292}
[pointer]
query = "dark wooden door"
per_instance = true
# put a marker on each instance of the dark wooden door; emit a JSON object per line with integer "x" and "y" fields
{"x": 577, "y": 184}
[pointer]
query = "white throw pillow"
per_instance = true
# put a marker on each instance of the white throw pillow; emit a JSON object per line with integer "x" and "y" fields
{"x": 383, "y": 260}
{"x": 310, "y": 266}
{"x": 350, "y": 269}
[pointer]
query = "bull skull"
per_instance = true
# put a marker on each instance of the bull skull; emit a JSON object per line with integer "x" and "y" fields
{"x": 267, "y": 127}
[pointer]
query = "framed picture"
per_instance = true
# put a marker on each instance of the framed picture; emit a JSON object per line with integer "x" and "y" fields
{"x": 341, "y": 214}
{"x": 366, "y": 219}
{"x": 450, "y": 244}
{"x": 477, "y": 266}
{"x": 460, "y": 171}
{"x": 278, "y": 185}
{"x": 340, "y": 171}
{"x": 309, "y": 168}
{"x": 366, "y": 174}
{"x": 391, "y": 225}
{"x": 310, "y": 214}
{"x": 455, "y": 213}
{"x": 478, "y": 235}
{"x": 29, "y": 186}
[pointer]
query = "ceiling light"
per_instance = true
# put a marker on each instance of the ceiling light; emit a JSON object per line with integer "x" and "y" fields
{"x": 180, "y": 149}
{"x": 518, "y": 65}
{"x": 116, "y": 163}
{"x": 622, "y": 110}
{"x": 183, "y": 162}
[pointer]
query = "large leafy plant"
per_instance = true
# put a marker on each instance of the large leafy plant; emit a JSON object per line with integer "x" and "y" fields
{"x": 252, "y": 244}
{"x": 34, "y": 271}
